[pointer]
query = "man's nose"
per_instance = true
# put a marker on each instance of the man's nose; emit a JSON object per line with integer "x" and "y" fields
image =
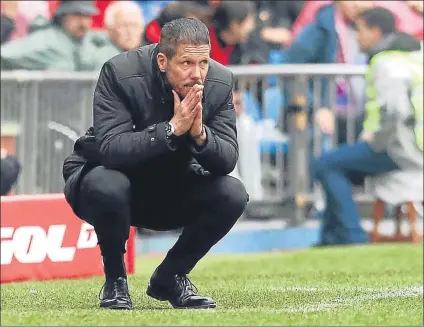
{"x": 195, "y": 73}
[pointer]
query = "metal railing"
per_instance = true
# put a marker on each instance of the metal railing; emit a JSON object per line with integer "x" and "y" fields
{"x": 47, "y": 111}
{"x": 291, "y": 95}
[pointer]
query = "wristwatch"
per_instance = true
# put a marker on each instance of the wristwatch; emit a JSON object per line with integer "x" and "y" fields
{"x": 169, "y": 130}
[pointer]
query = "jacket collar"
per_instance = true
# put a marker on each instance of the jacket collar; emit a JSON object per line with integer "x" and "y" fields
{"x": 160, "y": 79}
{"x": 382, "y": 45}
{"x": 395, "y": 41}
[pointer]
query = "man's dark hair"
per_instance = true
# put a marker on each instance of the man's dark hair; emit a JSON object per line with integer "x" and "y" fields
{"x": 231, "y": 11}
{"x": 182, "y": 31}
{"x": 380, "y": 18}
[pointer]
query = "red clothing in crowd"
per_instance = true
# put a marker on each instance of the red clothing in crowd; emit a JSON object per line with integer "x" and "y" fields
{"x": 97, "y": 20}
{"x": 218, "y": 53}
{"x": 152, "y": 32}
{"x": 406, "y": 20}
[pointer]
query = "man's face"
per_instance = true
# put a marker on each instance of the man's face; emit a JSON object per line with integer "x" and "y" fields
{"x": 241, "y": 30}
{"x": 188, "y": 67}
{"x": 367, "y": 36}
{"x": 127, "y": 31}
{"x": 77, "y": 25}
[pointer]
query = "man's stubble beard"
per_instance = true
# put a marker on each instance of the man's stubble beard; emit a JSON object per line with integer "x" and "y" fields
{"x": 193, "y": 84}
{"x": 190, "y": 85}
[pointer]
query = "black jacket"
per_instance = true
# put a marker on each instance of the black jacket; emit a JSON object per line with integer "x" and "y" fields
{"x": 132, "y": 100}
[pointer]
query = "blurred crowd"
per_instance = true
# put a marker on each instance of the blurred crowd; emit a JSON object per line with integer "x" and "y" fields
{"x": 82, "y": 35}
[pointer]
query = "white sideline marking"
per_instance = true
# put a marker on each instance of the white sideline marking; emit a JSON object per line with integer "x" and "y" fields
{"x": 384, "y": 294}
{"x": 376, "y": 293}
{"x": 335, "y": 289}
{"x": 298, "y": 289}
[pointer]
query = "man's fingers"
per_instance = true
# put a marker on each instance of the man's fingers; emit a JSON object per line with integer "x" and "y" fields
{"x": 190, "y": 94}
{"x": 197, "y": 108}
{"x": 196, "y": 99}
{"x": 194, "y": 112}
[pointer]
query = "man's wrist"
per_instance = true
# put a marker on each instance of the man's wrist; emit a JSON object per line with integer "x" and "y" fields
{"x": 202, "y": 133}
{"x": 169, "y": 130}
{"x": 200, "y": 139}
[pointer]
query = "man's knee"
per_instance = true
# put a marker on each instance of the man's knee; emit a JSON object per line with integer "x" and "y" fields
{"x": 108, "y": 188}
{"x": 231, "y": 195}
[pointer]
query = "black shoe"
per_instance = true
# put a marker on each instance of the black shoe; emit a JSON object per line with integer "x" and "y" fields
{"x": 180, "y": 292}
{"x": 116, "y": 295}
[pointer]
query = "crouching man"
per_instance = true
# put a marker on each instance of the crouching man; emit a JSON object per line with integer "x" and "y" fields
{"x": 163, "y": 141}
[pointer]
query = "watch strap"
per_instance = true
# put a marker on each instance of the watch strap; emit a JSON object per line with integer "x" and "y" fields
{"x": 169, "y": 130}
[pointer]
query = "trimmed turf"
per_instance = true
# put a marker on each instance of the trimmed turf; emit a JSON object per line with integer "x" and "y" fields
{"x": 370, "y": 285}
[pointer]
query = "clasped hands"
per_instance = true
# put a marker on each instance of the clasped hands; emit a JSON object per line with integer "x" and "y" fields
{"x": 188, "y": 114}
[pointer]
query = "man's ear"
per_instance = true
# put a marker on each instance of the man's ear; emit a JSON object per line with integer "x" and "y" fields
{"x": 162, "y": 62}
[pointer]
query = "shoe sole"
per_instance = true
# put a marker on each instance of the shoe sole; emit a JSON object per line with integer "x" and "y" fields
{"x": 159, "y": 298}
{"x": 116, "y": 307}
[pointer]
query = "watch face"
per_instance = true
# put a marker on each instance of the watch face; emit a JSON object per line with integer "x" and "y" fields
{"x": 168, "y": 130}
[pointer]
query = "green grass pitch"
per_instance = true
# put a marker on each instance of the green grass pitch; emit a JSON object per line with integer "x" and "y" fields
{"x": 364, "y": 285}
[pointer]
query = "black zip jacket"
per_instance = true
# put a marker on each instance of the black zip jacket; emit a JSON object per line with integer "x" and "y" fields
{"x": 132, "y": 102}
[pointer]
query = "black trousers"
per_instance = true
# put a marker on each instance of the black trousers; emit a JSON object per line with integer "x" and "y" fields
{"x": 205, "y": 207}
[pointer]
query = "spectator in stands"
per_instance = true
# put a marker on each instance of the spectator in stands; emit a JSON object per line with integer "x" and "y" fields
{"x": 406, "y": 19}
{"x": 9, "y": 10}
{"x": 99, "y": 19}
{"x": 392, "y": 138}
{"x": 154, "y": 27}
{"x": 202, "y": 12}
{"x": 55, "y": 46}
{"x": 174, "y": 11}
{"x": 125, "y": 27}
{"x": 231, "y": 25}
{"x": 272, "y": 29}
{"x": 330, "y": 38}
{"x": 10, "y": 169}
{"x": 276, "y": 19}
{"x": 28, "y": 11}
{"x": 307, "y": 15}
